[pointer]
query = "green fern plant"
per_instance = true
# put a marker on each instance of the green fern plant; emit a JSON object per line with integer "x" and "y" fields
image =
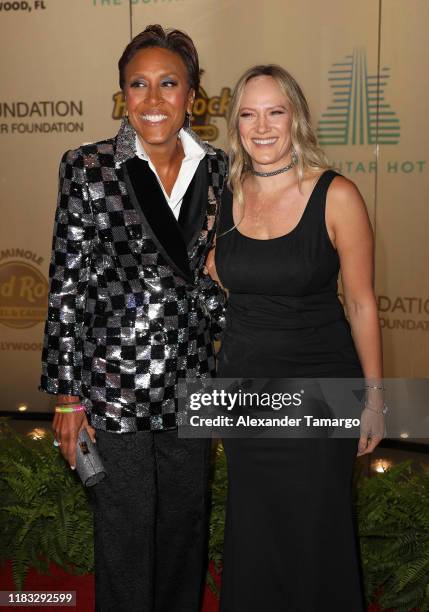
{"x": 45, "y": 517}
{"x": 219, "y": 487}
{"x": 393, "y": 518}
{"x": 44, "y": 513}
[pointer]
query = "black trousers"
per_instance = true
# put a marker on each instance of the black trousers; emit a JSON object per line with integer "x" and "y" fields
{"x": 150, "y": 522}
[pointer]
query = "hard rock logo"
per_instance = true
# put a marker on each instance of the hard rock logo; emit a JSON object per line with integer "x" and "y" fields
{"x": 205, "y": 109}
{"x": 23, "y": 295}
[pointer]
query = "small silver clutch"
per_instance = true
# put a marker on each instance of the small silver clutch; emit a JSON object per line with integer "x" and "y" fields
{"x": 88, "y": 462}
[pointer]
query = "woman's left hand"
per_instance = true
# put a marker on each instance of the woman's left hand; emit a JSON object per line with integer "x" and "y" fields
{"x": 372, "y": 422}
{"x": 373, "y": 427}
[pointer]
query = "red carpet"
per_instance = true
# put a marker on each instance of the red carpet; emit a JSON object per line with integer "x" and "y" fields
{"x": 59, "y": 580}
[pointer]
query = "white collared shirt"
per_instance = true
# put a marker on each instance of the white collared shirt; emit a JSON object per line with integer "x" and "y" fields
{"x": 194, "y": 153}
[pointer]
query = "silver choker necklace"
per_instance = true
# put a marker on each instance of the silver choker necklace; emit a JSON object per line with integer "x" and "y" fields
{"x": 274, "y": 172}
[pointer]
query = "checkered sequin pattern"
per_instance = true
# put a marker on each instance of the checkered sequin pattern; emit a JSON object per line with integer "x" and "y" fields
{"x": 122, "y": 325}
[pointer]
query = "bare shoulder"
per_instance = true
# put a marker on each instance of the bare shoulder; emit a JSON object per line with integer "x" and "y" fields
{"x": 344, "y": 200}
{"x": 347, "y": 218}
{"x": 342, "y": 192}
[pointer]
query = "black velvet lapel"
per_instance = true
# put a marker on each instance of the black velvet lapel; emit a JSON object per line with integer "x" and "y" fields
{"x": 193, "y": 210}
{"x": 148, "y": 199}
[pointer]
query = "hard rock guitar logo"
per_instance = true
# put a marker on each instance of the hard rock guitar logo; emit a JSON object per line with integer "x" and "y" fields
{"x": 359, "y": 113}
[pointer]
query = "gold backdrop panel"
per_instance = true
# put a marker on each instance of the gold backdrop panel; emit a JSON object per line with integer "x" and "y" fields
{"x": 402, "y": 218}
{"x": 58, "y": 76}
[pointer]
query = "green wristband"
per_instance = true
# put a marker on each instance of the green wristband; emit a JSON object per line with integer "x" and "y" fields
{"x": 66, "y": 409}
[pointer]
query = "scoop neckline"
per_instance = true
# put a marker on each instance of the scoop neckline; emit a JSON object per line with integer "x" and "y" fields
{"x": 292, "y": 230}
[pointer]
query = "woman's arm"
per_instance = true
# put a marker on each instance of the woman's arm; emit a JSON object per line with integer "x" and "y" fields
{"x": 351, "y": 232}
{"x": 213, "y": 296}
{"x": 212, "y": 292}
{"x": 74, "y": 233}
{"x": 73, "y": 236}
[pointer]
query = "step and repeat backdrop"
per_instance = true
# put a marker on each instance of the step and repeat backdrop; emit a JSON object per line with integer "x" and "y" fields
{"x": 361, "y": 66}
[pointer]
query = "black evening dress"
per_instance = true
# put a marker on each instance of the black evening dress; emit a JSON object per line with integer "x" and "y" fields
{"x": 290, "y": 538}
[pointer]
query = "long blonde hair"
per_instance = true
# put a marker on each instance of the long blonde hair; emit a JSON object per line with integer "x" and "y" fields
{"x": 303, "y": 139}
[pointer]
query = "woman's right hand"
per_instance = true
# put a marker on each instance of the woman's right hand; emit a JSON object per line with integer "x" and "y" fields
{"x": 67, "y": 426}
{"x": 210, "y": 266}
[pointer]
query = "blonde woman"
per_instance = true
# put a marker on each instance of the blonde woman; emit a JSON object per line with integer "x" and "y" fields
{"x": 288, "y": 225}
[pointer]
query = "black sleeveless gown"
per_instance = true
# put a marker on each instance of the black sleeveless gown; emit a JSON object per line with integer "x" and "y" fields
{"x": 290, "y": 538}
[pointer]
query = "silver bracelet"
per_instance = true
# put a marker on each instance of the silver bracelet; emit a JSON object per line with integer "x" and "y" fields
{"x": 380, "y": 387}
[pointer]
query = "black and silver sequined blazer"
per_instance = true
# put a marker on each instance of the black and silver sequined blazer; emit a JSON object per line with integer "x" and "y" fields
{"x": 130, "y": 311}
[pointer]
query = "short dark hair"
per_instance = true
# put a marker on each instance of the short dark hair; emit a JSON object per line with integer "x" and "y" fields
{"x": 173, "y": 40}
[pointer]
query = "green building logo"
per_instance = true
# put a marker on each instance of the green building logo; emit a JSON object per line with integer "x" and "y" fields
{"x": 359, "y": 113}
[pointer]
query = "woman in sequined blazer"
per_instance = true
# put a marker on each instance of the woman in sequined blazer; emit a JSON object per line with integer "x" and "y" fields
{"x": 130, "y": 309}
{"x": 131, "y": 312}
